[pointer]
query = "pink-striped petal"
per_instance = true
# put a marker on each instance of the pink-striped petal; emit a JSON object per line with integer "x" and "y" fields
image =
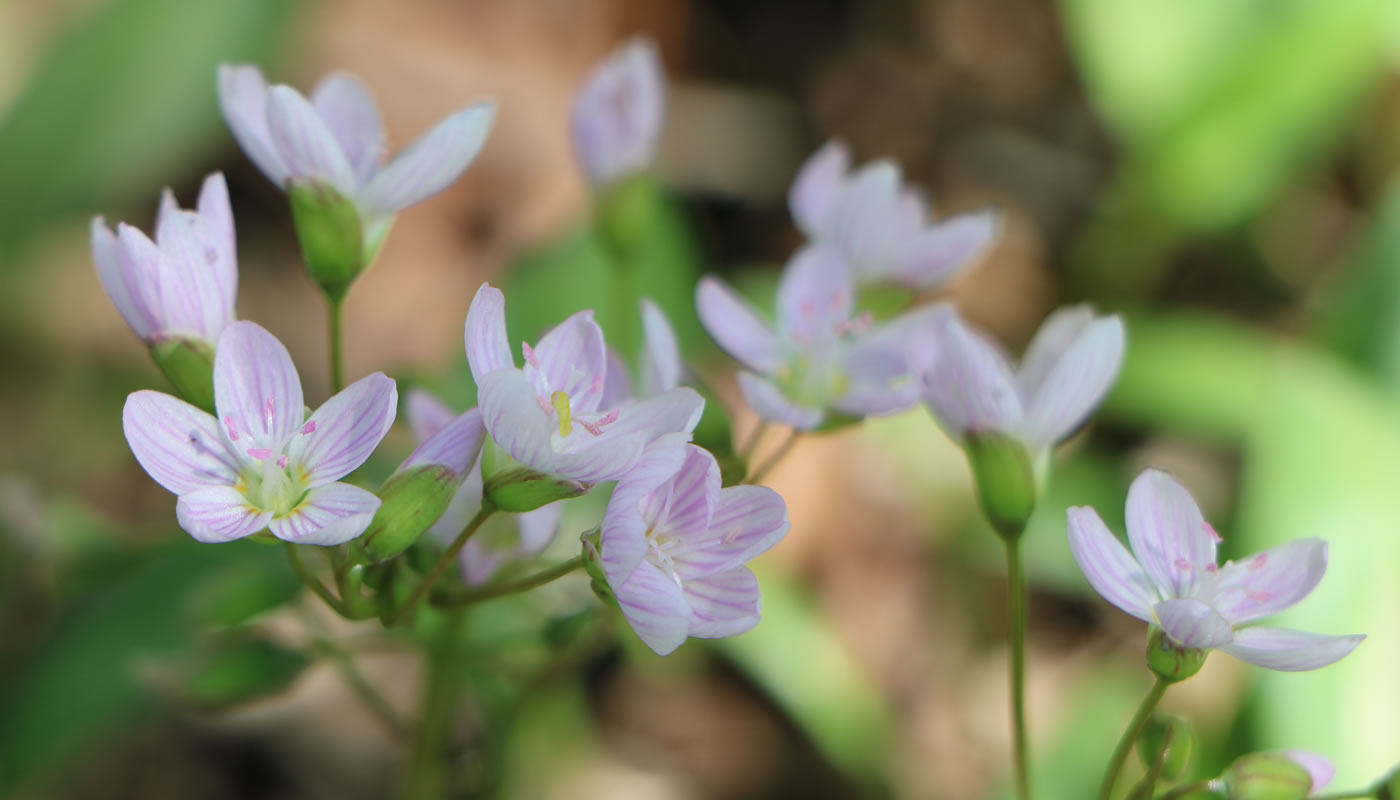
{"x": 1191, "y": 623}
{"x": 216, "y": 227}
{"x": 488, "y": 348}
{"x": 674, "y": 411}
{"x": 178, "y": 445}
{"x": 815, "y": 187}
{"x": 345, "y": 430}
{"x": 256, "y": 389}
{"x": 815, "y": 295}
{"x": 682, "y": 507}
{"x": 617, "y": 383}
{"x": 1073, "y": 388}
{"x": 193, "y": 297}
{"x": 573, "y": 359}
{"x": 618, "y": 113}
{"x": 1169, "y": 537}
{"x": 734, "y": 325}
{"x": 304, "y": 143}
{"x": 721, "y": 605}
{"x": 430, "y": 164}
{"x": 514, "y": 419}
{"x": 655, "y": 608}
{"x": 1268, "y": 582}
{"x": 747, "y": 520}
{"x": 129, "y": 285}
{"x": 605, "y": 458}
{"x": 970, "y": 386}
{"x": 943, "y": 249}
{"x": 331, "y": 514}
{"x": 625, "y": 525}
{"x": 661, "y": 355}
{"x": 243, "y": 100}
{"x": 426, "y": 414}
{"x": 350, "y": 114}
{"x": 219, "y": 514}
{"x": 1108, "y": 566}
{"x": 463, "y": 506}
{"x": 863, "y": 222}
{"x": 1289, "y": 650}
{"x": 1054, "y": 337}
{"x": 771, "y": 405}
{"x": 456, "y": 445}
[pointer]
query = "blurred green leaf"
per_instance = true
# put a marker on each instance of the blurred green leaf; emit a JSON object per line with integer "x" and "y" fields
{"x": 121, "y": 102}
{"x": 237, "y": 594}
{"x": 238, "y": 668}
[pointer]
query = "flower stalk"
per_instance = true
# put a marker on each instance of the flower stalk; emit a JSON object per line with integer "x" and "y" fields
{"x": 474, "y": 595}
{"x": 1130, "y": 736}
{"x": 1016, "y": 601}
{"x": 449, "y": 556}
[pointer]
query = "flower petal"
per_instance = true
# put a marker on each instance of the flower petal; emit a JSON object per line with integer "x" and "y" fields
{"x": 815, "y": 295}
{"x": 1270, "y": 581}
{"x": 457, "y": 445}
{"x": 426, "y": 414}
{"x": 460, "y": 510}
{"x": 216, "y": 227}
{"x": 345, "y": 430}
{"x": 178, "y": 445}
{"x": 771, "y": 405}
{"x": 655, "y": 608}
{"x": 1191, "y": 623}
{"x": 940, "y": 251}
{"x": 732, "y": 323}
{"x": 863, "y": 222}
{"x": 194, "y": 299}
{"x": 1108, "y": 566}
{"x": 219, "y": 514}
{"x": 677, "y": 410}
{"x": 538, "y": 528}
{"x": 721, "y": 605}
{"x": 1076, "y": 384}
{"x": 970, "y": 386}
{"x": 1289, "y": 650}
{"x": 815, "y": 187}
{"x": 304, "y": 143}
{"x": 605, "y": 458}
{"x": 488, "y": 348}
{"x": 573, "y": 359}
{"x": 683, "y": 505}
{"x": 513, "y": 418}
{"x": 1054, "y": 337}
{"x": 619, "y": 111}
{"x": 1319, "y": 768}
{"x": 661, "y": 355}
{"x": 430, "y": 164}
{"x": 129, "y": 292}
{"x": 331, "y": 514}
{"x": 625, "y": 523}
{"x": 256, "y": 388}
{"x": 243, "y": 100}
{"x": 747, "y": 520}
{"x": 349, "y": 113}
{"x": 617, "y": 383}
{"x": 1169, "y": 537}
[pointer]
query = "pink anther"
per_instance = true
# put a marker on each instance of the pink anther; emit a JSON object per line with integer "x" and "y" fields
{"x": 1183, "y": 565}
{"x": 1215, "y": 537}
{"x": 260, "y": 453}
{"x": 1212, "y": 569}
{"x": 309, "y": 427}
{"x": 1259, "y": 597}
{"x": 529, "y": 355}
{"x": 268, "y": 413}
{"x": 232, "y": 429}
{"x": 597, "y": 385}
{"x": 596, "y": 427}
{"x": 1257, "y": 563}
{"x": 282, "y": 461}
{"x": 544, "y": 405}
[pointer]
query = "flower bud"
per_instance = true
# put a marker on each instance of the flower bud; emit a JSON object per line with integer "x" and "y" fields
{"x": 1266, "y": 776}
{"x": 593, "y": 565}
{"x": 514, "y": 487}
{"x": 1171, "y": 662}
{"x": 1170, "y": 733}
{"x": 627, "y": 212}
{"x": 1389, "y": 787}
{"x": 1005, "y": 482}
{"x": 412, "y": 501}
{"x": 332, "y": 241}
{"x": 189, "y": 365}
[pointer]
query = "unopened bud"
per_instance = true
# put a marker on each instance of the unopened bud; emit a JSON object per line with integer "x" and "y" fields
{"x": 514, "y": 487}
{"x": 1171, "y": 662}
{"x": 593, "y": 565}
{"x": 1005, "y": 482}
{"x": 1167, "y": 738}
{"x": 1266, "y": 776}
{"x": 412, "y": 500}
{"x": 332, "y": 240}
{"x": 189, "y": 365}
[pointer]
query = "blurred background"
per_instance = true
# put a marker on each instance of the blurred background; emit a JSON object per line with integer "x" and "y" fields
{"x": 1222, "y": 173}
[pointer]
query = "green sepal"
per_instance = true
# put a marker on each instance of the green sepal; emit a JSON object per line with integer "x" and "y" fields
{"x": 1266, "y": 776}
{"x": 593, "y": 565}
{"x": 883, "y": 301}
{"x": 1171, "y": 662}
{"x": 189, "y": 365}
{"x": 411, "y": 501}
{"x": 1006, "y": 487}
{"x": 627, "y": 211}
{"x": 329, "y": 230}
{"x": 514, "y": 487}
{"x": 1154, "y": 740}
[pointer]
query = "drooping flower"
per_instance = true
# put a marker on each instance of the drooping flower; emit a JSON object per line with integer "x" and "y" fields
{"x": 503, "y": 539}
{"x": 674, "y": 545}
{"x": 548, "y": 415}
{"x": 880, "y": 226}
{"x": 336, "y": 141}
{"x": 617, "y": 114}
{"x": 1069, "y": 366}
{"x": 262, "y": 463}
{"x": 183, "y": 284}
{"x": 1171, "y": 579}
{"x": 820, "y": 357}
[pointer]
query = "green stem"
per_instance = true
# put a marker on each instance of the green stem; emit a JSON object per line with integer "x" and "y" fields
{"x": 361, "y": 686}
{"x": 337, "y": 354}
{"x": 313, "y": 583}
{"x": 449, "y": 556}
{"x": 481, "y": 594}
{"x": 426, "y": 775}
{"x": 1016, "y": 600}
{"x": 767, "y": 466}
{"x": 1130, "y": 736}
{"x": 1359, "y": 794}
{"x": 1183, "y": 791}
{"x": 751, "y": 441}
{"x": 1148, "y": 784}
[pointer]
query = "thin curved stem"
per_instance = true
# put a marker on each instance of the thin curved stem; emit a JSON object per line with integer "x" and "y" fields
{"x": 337, "y": 353}
{"x": 1359, "y": 794}
{"x": 1148, "y": 784}
{"x": 313, "y": 583}
{"x": 746, "y": 448}
{"x": 1130, "y": 736}
{"x": 449, "y": 556}
{"x": 481, "y": 594}
{"x": 1183, "y": 791}
{"x": 766, "y": 467}
{"x": 1016, "y": 602}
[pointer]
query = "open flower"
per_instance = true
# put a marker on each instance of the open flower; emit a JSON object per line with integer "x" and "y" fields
{"x": 1171, "y": 579}
{"x": 183, "y": 284}
{"x": 618, "y": 112}
{"x": 548, "y": 415}
{"x": 820, "y": 357}
{"x": 661, "y": 367}
{"x": 880, "y": 226}
{"x": 261, "y": 463}
{"x": 674, "y": 545}
{"x": 336, "y": 140}
{"x": 1070, "y": 364}
{"x": 504, "y": 538}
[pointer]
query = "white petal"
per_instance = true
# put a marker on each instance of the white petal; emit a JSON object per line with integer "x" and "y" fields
{"x": 1108, "y": 566}
{"x": 256, "y": 388}
{"x": 304, "y": 143}
{"x": 430, "y": 164}
{"x": 722, "y": 605}
{"x": 970, "y": 387}
{"x": 815, "y": 187}
{"x": 618, "y": 113}
{"x": 1191, "y": 623}
{"x": 331, "y": 514}
{"x": 655, "y": 608}
{"x": 573, "y": 359}
{"x": 1266, "y": 583}
{"x": 178, "y": 445}
{"x": 243, "y": 99}
{"x": 488, "y": 349}
{"x": 1168, "y": 534}
{"x": 624, "y": 528}
{"x": 661, "y": 355}
{"x": 1076, "y": 384}
{"x": 815, "y": 296}
{"x": 771, "y": 405}
{"x": 426, "y": 414}
{"x": 512, "y": 415}
{"x": 1288, "y": 650}
{"x": 943, "y": 249}
{"x": 734, "y": 325}
{"x": 345, "y": 430}
{"x": 126, "y": 291}
{"x": 348, "y": 110}
{"x": 219, "y": 514}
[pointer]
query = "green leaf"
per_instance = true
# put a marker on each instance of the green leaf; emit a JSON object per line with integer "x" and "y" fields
{"x": 237, "y": 669}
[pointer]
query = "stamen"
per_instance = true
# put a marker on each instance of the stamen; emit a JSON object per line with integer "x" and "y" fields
{"x": 596, "y": 428}
{"x": 560, "y": 401}
{"x": 1259, "y": 597}
{"x": 232, "y": 429}
{"x": 1212, "y": 569}
{"x": 544, "y": 405}
{"x": 260, "y": 453}
{"x": 309, "y": 427}
{"x": 597, "y": 385}
{"x": 529, "y": 355}
{"x": 1215, "y": 537}
{"x": 282, "y": 461}
{"x": 1257, "y": 563}
{"x": 1183, "y": 565}
{"x": 267, "y": 413}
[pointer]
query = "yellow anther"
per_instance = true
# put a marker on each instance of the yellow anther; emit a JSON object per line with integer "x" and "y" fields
{"x": 560, "y": 401}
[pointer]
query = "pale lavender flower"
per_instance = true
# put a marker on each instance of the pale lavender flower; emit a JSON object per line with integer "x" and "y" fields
{"x": 336, "y": 139}
{"x": 618, "y": 113}
{"x": 674, "y": 544}
{"x": 661, "y": 367}
{"x": 1069, "y": 366}
{"x": 1171, "y": 579}
{"x": 880, "y": 226}
{"x": 549, "y": 415}
{"x": 261, "y": 463}
{"x": 183, "y": 284}
{"x": 821, "y": 356}
{"x": 503, "y": 539}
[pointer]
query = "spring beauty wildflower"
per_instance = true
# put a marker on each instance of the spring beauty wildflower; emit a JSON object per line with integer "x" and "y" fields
{"x": 1171, "y": 580}
{"x": 674, "y": 544}
{"x": 660, "y": 370}
{"x": 617, "y": 114}
{"x": 262, "y": 463}
{"x": 183, "y": 284}
{"x": 503, "y": 539}
{"x": 335, "y": 142}
{"x": 880, "y": 226}
{"x": 820, "y": 357}
{"x": 548, "y": 415}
